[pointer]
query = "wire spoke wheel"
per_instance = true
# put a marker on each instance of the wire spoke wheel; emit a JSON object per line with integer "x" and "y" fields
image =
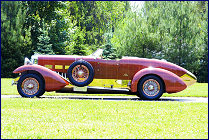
{"x": 151, "y": 87}
{"x": 30, "y": 86}
{"x": 80, "y": 73}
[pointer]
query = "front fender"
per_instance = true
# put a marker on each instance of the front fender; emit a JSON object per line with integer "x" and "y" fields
{"x": 172, "y": 82}
{"x": 52, "y": 80}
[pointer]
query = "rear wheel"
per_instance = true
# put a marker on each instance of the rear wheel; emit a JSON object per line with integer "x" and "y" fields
{"x": 30, "y": 85}
{"x": 150, "y": 87}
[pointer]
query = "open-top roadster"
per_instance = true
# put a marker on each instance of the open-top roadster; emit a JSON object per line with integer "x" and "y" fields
{"x": 149, "y": 78}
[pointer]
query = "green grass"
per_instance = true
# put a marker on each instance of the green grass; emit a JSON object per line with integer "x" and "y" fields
{"x": 196, "y": 90}
{"x": 59, "y": 118}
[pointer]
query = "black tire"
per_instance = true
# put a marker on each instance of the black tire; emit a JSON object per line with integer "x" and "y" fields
{"x": 35, "y": 81}
{"x": 150, "y": 87}
{"x": 87, "y": 67}
{"x": 42, "y": 93}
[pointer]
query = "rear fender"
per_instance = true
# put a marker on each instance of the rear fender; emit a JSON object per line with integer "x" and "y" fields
{"x": 52, "y": 80}
{"x": 172, "y": 82}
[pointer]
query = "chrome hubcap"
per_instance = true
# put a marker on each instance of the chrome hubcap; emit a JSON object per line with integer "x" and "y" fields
{"x": 80, "y": 73}
{"x": 30, "y": 86}
{"x": 151, "y": 87}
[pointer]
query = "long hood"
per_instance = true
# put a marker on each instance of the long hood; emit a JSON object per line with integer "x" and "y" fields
{"x": 61, "y": 63}
{"x": 59, "y": 59}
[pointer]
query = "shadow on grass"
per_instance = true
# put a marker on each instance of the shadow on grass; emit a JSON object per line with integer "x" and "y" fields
{"x": 117, "y": 98}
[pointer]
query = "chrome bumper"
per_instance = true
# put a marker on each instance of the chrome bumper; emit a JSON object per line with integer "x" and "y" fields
{"x": 14, "y": 82}
{"x": 189, "y": 78}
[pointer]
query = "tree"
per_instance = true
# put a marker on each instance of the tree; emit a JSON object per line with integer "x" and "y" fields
{"x": 92, "y": 18}
{"x": 58, "y": 36}
{"x": 134, "y": 37}
{"x": 202, "y": 73}
{"x": 79, "y": 48}
{"x": 109, "y": 52}
{"x": 39, "y": 12}
{"x": 15, "y": 40}
{"x": 43, "y": 45}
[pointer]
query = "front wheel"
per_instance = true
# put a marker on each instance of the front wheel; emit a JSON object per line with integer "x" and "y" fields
{"x": 30, "y": 85}
{"x": 150, "y": 87}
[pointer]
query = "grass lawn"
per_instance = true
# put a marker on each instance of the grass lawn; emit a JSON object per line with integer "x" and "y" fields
{"x": 54, "y": 118}
{"x": 196, "y": 90}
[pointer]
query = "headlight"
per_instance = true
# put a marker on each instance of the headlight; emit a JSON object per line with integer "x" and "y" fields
{"x": 27, "y": 61}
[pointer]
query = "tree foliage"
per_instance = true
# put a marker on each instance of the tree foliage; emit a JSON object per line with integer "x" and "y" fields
{"x": 109, "y": 52}
{"x": 43, "y": 45}
{"x": 92, "y": 18}
{"x": 15, "y": 39}
{"x": 41, "y": 12}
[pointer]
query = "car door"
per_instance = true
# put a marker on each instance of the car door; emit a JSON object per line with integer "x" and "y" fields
{"x": 107, "y": 69}
{"x": 124, "y": 70}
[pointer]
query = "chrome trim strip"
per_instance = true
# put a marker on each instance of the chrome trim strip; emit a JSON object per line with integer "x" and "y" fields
{"x": 63, "y": 75}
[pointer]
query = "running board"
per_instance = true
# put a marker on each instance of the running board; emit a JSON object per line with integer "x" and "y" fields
{"x": 96, "y": 90}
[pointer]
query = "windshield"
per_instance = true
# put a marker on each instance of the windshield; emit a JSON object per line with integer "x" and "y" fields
{"x": 97, "y": 53}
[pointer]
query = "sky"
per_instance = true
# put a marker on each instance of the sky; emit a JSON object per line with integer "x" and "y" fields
{"x": 138, "y": 4}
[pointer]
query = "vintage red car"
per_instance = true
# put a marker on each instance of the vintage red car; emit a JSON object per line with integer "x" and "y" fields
{"x": 149, "y": 78}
